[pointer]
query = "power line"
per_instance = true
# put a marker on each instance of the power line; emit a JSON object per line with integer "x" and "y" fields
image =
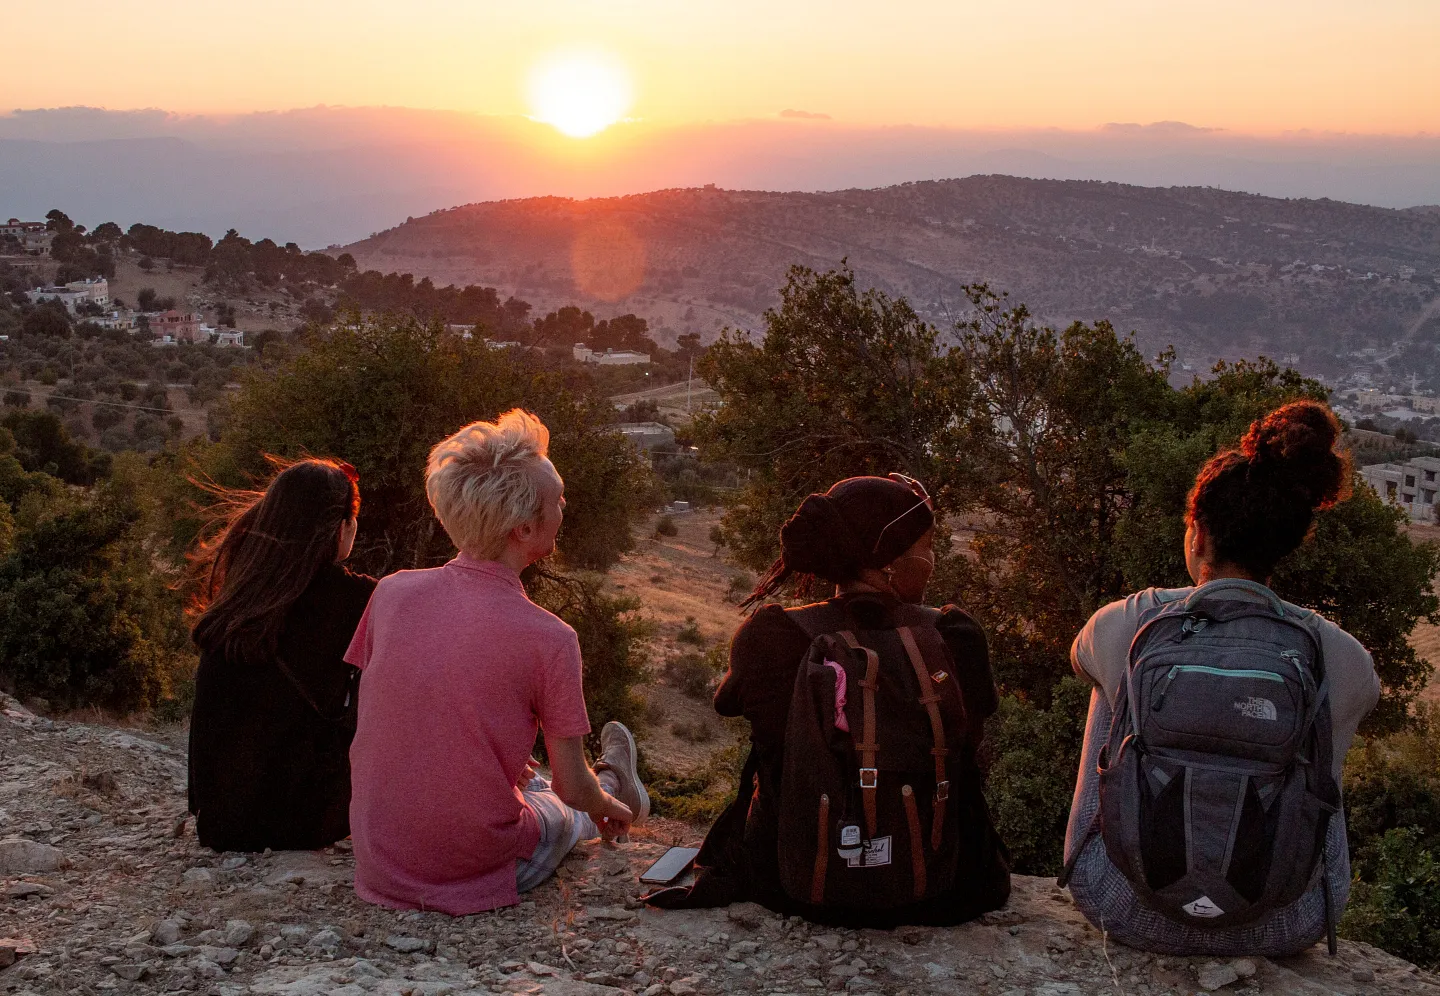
{"x": 96, "y": 401}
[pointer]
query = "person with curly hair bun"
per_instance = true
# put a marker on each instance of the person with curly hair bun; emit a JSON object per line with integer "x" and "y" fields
{"x": 1249, "y": 508}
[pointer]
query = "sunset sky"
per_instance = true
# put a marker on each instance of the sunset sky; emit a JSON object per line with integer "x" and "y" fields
{"x": 1265, "y": 67}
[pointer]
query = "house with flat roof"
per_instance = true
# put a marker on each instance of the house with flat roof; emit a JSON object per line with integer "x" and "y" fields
{"x": 609, "y": 358}
{"x": 648, "y": 435}
{"x": 1413, "y": 485}
{"x": 77, "y": 292}
{"x": 177, "y": 326}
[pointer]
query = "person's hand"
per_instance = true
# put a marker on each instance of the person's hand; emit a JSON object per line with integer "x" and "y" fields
{"x": 528, "y": 774}
{"x": 613, "y": 819}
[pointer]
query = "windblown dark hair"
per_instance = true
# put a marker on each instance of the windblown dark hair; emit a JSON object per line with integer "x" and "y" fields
{"x": 1258, "y": 502}
{"x": 860, "y": 522}
{"x": 264, "y": 549}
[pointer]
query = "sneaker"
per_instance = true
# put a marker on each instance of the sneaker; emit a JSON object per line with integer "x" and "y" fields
{"x": 618, "y": 756}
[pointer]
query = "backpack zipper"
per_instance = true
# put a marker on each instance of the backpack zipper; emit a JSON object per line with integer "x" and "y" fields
{"x": 1219, "y": 671}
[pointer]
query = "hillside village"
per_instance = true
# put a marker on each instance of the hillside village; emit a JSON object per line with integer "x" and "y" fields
{"x": 132, "y": 351}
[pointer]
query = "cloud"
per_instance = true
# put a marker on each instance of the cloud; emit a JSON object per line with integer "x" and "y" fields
{"x": 790, "y": 112}
{"x": 1166, "y": 128}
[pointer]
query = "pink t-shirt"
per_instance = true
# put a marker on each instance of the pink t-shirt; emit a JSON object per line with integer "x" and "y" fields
{"x": 461, "y": 670}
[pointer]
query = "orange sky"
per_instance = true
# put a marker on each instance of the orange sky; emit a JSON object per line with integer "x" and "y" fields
{"x": 1248, "y": 65}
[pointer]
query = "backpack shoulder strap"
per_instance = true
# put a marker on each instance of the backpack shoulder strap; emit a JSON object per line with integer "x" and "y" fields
{"x": 930, "y": 699}
{"x": 867, "y": 745}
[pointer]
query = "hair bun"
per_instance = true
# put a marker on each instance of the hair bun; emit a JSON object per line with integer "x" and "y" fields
{"x": 1297, "y": 442}
{"x": 817, "y": 540}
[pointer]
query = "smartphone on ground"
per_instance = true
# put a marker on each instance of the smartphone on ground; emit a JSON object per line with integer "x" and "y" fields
{"x": 670, "y": 866}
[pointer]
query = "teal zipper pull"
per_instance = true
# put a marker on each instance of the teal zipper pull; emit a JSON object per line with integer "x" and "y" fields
{"x": 1164, "y": 687}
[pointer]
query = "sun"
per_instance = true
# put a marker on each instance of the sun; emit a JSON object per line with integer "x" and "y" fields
{"x": 579, "y": 93}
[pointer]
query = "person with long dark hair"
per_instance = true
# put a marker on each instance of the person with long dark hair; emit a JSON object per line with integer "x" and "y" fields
{"x": 275, "y": 702}
{"x": 1208, "y": 816}
{"x": 867, "y": 543}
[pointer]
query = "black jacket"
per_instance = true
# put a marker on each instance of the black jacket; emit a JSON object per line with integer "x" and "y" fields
{"x": 739, "y": 860}
{"x": 270, "y": 750}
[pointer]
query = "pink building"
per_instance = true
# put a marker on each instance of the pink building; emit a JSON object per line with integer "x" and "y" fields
{"x": 178, "y": 326}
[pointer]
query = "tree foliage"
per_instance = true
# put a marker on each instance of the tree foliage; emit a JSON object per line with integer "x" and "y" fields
{"x": 1066, "y": 454}
{"x": 381, "y": 392}
{"x": 844, "y": 382}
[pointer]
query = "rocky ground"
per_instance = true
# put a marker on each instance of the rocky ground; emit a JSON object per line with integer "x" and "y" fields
{"x": 103, "y": 888}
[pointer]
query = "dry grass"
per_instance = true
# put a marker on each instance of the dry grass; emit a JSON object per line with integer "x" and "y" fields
{"x": 676, "y": 579}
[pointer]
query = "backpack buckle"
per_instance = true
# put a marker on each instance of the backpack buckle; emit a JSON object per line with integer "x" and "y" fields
{"x": 874, "y": 776}
{"x": 942, "y": 791}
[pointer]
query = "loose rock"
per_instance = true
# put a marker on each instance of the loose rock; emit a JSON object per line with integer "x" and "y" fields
{"x": 21, "y": 856}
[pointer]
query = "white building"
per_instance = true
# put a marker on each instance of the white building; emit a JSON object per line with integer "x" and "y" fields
{"x": 1412, "y": 485}
{"x": 609, "y": 358}
{"x": 648, "y": 436}
{"x": 75, "y": 293}
{"x": 30, "y": 235}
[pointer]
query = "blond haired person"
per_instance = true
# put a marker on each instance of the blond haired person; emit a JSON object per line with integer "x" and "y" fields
{"x": 461, "y": 672}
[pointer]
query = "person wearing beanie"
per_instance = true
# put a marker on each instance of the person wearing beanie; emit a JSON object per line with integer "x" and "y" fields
{"x": 867, "y": 540}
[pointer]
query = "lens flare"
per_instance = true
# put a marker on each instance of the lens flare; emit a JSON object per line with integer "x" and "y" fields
{"x": 579, "y": 93}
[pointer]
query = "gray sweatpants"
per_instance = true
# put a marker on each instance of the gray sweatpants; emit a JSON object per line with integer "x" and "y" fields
{"x": 1103, "y": 894}
{"x": 561, "y": 828}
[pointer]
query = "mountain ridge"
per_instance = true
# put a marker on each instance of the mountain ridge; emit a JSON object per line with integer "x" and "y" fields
{"x": 1217, "y": 273}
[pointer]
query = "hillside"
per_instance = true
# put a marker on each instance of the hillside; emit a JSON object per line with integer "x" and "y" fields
{"x": 1216, "y": 273}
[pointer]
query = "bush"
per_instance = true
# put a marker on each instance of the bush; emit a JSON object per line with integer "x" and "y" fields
{"x": 690, "y": 633}
{"x": 694, "y": 674}
{"x": 1393, "y": 782}
{"x": 85, "y": 619}
{"x": 666, "y": 527}
{"x": 739, "y": 589}
{"x": 612, "y": 644}
{"x": 1400, "y": 909}
{"x": 1034, "y": 756}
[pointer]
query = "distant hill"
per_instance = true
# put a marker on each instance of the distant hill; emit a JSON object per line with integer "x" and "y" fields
{"x": 1214, "y": 272}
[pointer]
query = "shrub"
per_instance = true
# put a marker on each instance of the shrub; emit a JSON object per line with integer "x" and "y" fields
{"x": 612, "y": 644}
{"x": 690, "y": 633}
{"x": 739, "y": 589}
{"x": 1399, "y": 910}
{"x": 85, "y": 619}
{"x": 698, "y": 732}
{"x": 701, "y": 796}
{"x": 692, "y": 674}
{"x": 1393, "y": 782}
{"x": 666, "y": 527}
{"x": 1034, "y": 755}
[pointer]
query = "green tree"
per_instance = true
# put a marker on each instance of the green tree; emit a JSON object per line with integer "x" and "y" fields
{"x": 1038, "y": 453}
{"x": 381, "y": 392}
{"x": 844, "y": 382}
{"x": 84, "y": 616}
{"x": 43, "y": 444}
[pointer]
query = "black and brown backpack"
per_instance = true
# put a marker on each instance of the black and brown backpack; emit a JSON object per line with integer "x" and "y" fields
{"x": 868, "y": 821}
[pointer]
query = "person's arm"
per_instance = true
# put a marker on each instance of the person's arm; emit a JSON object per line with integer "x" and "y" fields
{"x": 578, "y": 788}
{"x": 967, "y": 644}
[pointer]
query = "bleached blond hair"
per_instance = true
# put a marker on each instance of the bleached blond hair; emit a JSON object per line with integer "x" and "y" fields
{"x": 484, "y": 481}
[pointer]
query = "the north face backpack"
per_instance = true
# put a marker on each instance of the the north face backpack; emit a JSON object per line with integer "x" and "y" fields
{"x": 875, "y": 736}
{"x": 1216, "y": 785}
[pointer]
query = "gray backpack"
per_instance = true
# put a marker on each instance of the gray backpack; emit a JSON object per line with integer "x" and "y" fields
{"x": 1216, "y": 782}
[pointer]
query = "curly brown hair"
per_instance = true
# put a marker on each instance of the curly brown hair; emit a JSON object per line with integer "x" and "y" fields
{"x": 1258, "y": 502}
